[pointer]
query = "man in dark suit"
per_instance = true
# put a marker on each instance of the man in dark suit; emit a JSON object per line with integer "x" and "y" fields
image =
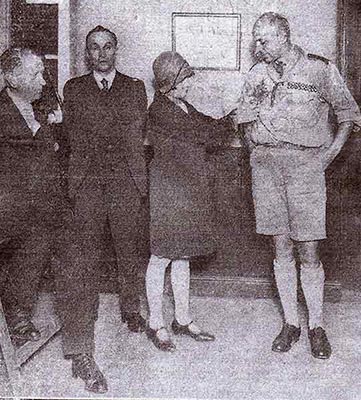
{"x": 31, "y": 201}
{"x": 104, "y": 116}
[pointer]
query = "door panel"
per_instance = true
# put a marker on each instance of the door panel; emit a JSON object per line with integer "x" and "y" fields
{"x": 350, "y": 64}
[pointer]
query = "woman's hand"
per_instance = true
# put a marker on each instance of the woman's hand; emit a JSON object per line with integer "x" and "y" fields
{"x": 55, "y": 117}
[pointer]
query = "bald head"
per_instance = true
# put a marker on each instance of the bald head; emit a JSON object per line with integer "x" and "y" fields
{"x": 276, "y": 20}
{"x": 271, "y": 34}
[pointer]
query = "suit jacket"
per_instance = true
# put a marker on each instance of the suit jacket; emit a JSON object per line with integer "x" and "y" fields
{"x": 105, "y": 129}
{"x": 30, "y": 181}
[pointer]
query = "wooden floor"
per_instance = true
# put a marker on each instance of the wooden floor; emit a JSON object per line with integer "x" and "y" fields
{"x": 239, "y": 365}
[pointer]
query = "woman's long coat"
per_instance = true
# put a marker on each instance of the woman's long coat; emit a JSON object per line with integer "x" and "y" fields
{"x": 181, "y": 206}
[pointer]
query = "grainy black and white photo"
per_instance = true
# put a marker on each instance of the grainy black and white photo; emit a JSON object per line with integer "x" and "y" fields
{"x": 180, "y": 212}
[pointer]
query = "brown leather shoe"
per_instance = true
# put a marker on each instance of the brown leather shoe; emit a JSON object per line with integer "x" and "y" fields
{"x": 84, "y": 367}
{"x": 289, "y": 335}
{"x": 320, "y": 346}
{"x": 135, "y": 322}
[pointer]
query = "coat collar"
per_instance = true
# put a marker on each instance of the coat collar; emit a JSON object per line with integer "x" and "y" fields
{"x": 11, "y": 112}
{"x": 119, "y": 82}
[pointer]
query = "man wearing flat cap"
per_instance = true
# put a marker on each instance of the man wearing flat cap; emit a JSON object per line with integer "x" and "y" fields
{"x": 104, "y": 117}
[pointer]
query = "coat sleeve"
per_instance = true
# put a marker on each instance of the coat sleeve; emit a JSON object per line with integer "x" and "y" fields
{"x": 134, "y": 139}
{"x": 167, "y": 123}
{"x": 215, "y": 133}
{"x": 74, "y": 133}
{"x": 68, "y": 114}
{"x": 75, "y": 114}
{"x": 71, "y": 118}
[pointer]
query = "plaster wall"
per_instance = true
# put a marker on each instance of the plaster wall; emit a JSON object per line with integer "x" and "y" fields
{"x": 144, "y": 30}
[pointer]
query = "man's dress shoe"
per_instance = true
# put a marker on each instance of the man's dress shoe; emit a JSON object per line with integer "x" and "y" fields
{"x": 135, "y": 322}
{"x": 320, "y": 346}
{"x": 202, "y": 336}
{"x": 289, "y": 335}
{"x": 24, "y": 331}
{"x": 84, "y": 367}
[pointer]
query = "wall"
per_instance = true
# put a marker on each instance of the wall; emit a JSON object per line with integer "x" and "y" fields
{"x": 144, "y": 30}
{"x": 4, "y": 29}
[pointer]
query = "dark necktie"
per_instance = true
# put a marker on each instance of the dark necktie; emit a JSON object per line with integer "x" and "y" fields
{"x": 104, "y": 82}
{"x": 279, "y": 65}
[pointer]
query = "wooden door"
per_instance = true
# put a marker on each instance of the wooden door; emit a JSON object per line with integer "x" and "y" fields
{"x": 349, "y": 50}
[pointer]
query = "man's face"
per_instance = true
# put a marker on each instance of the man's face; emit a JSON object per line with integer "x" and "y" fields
{"x": 269, "y": 43}
{"x": 27, "y": 79}
{"x": 101, "y": 50}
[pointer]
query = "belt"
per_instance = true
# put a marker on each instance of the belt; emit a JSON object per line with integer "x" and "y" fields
{"x": 286, "y": 145}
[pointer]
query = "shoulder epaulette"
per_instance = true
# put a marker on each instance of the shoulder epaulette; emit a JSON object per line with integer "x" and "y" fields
{"x": 317, "y": 57}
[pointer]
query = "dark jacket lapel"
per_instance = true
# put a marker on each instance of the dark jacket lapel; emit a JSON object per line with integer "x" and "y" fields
{"x": 11, "y": 117}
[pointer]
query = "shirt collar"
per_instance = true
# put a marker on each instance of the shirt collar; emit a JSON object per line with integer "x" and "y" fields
{"x": 109, "y": 77}
{"x": 291, "y": 57}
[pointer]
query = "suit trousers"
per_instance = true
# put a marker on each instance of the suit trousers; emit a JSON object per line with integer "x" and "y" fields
{"x": 26, "y": 237}
{"x": 115, "y": 200}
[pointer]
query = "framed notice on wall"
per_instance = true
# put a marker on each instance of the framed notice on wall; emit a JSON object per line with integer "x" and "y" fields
{"x": 208, "y": 41}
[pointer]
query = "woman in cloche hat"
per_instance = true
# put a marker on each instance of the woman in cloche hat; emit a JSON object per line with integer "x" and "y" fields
{"x": 181, "y": 211}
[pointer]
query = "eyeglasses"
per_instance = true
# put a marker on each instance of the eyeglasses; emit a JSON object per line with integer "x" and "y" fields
{"x": 184, "y": 66}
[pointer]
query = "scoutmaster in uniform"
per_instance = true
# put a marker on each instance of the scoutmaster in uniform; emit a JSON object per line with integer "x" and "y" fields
{"x": 285, "y": 108}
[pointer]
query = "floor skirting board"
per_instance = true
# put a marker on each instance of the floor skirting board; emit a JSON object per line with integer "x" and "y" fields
{"x": 217, "y": 286}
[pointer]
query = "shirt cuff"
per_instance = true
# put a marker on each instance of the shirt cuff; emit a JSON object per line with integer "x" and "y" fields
{"x": 349, "y": 116}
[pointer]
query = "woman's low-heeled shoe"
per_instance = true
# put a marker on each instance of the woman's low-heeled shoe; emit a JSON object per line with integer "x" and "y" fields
{"x": 179, "y": 329}
{"x": 163, "y": 345}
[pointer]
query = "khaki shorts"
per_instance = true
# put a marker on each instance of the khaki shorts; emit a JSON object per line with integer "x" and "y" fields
{"x": 289, "y": 193}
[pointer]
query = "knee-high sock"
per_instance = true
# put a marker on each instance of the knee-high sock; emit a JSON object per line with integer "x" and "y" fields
{"x": 312, "y": 280}
{"x": 180, "y": 277}
{"x": 154, "y": 282}
{"x": 286, "y": 280}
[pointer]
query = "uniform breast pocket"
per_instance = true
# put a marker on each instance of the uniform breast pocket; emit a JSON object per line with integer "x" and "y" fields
{"x": 298, "y": 109}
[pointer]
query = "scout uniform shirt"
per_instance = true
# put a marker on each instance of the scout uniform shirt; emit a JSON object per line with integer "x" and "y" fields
{"x": 291, "y": 102}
